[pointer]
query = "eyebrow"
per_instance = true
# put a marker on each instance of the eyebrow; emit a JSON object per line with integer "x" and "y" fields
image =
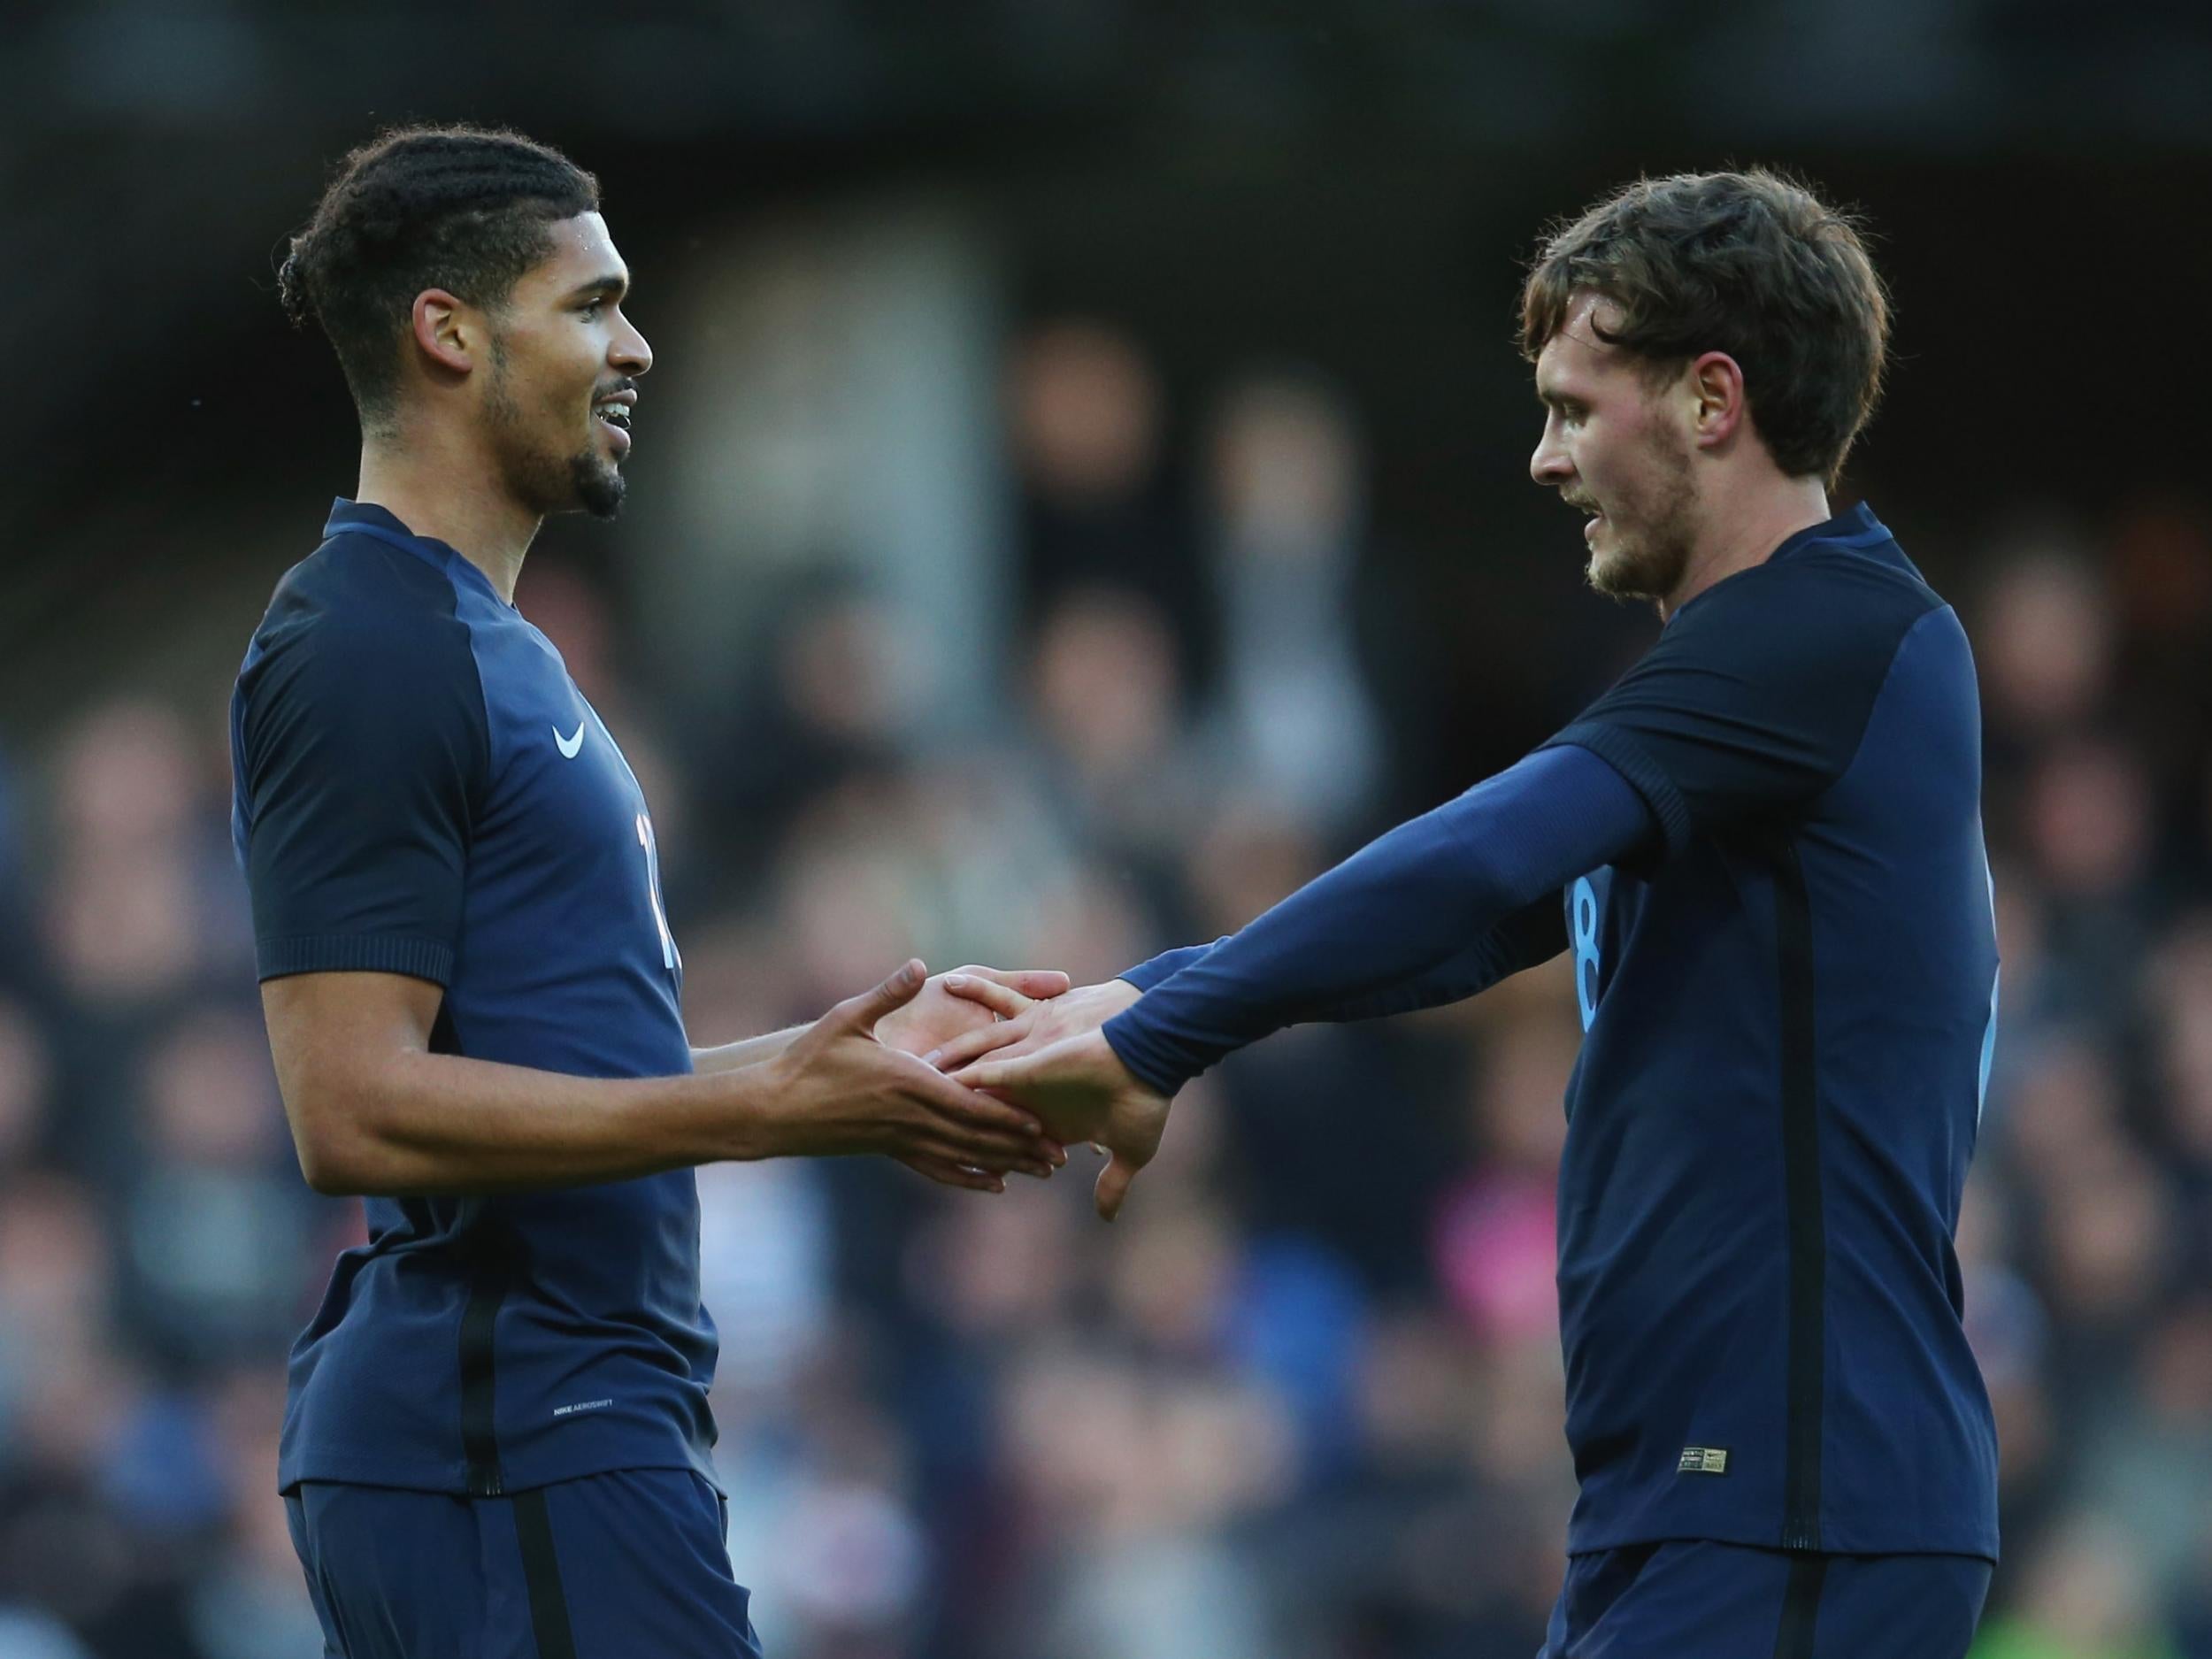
{"x": 615, "y": 283}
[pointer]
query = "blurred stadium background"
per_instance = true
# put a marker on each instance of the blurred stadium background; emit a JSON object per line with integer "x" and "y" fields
{"x": 1081, "y": 494}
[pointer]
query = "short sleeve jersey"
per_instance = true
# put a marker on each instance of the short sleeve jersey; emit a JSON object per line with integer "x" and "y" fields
{"x": 420, "y": 788}
{"x": 1788, "y": 1008}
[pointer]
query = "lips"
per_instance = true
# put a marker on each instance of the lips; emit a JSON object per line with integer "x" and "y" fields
{"x": 613, "y": 413}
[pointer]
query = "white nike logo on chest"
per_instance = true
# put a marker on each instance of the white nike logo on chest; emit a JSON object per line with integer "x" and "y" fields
{"x": 568, "y": 746}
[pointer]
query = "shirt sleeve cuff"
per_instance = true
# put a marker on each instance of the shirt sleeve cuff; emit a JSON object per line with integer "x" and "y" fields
{"x": 1137, "y": 1047}
{"x": 1622, "y": 752}
{"x": 419, "y": 958}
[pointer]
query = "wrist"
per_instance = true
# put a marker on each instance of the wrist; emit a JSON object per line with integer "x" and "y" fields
{"x": 1114, "y": 995}
{"x": 1127, "y": 1047}
{"x": 749, "y": 1122}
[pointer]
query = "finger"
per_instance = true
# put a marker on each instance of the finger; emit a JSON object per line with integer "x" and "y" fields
{"x": 860, "y": 1013}
{"x": 958, "y": 1105}
{"x": 1000, "y": 998}
{"x": 1008, "y": 1075}
{"x": 951, "y": 1174}
{"x": 996, "y": 1155}
{"x": 1039, "y": 983}
{"x": 1113, "y": 1187}
{"x": 974, "y": 1045}
{"x": 996, "y": 1143}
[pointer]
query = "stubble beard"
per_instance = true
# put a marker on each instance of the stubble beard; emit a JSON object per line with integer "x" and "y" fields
{"x": 1652, "y": 536}
{"x": 545, "y": 482}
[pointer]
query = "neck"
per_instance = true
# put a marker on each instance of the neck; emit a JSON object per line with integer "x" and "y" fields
{"x": 438, "y": 490}
{"x": 1747, "y": 534}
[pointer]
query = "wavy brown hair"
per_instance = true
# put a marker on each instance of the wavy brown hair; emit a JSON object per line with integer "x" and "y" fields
{"x": 1753, "y": 263}
{"x": 467, "y": 209}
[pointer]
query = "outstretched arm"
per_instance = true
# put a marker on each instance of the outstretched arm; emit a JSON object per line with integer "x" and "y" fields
{"x": 1389, "y": 927}
{"x": 1534, "y": 934}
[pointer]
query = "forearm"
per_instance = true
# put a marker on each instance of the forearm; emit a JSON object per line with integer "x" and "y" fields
{"x": 1536, "y": 933}
{"x": 1402, "y": 909}
{"x": 434, "y": 1124}
{"x": 730, "y": 1056}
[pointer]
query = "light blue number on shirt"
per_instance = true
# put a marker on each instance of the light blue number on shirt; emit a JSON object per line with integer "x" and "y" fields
{"x": 653, "y": 890}
{"x": 1585, "y": 903}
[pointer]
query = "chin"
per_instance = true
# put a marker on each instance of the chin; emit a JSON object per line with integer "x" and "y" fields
{"x": 1613, "y": 574}
{"x": 1622, "y": 572}
{"x": 599, "y": 486}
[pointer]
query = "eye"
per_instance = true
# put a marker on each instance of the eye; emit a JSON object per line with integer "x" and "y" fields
{"x": 592, "y": 308}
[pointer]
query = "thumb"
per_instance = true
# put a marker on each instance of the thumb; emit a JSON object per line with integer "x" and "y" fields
{"x": 860, "y": 1013}
{"x": 1113, "y": 1185}
{"x": 1009, "y": 1072}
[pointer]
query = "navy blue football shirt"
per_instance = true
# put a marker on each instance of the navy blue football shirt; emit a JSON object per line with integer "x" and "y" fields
{"x": 1764, "y": 847}
{"x": 420, "y": 788}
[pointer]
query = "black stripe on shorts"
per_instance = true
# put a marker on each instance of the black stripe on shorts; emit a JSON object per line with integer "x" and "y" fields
{"x": 1800, "y": 1608}
{"x": 541, "y": 1578}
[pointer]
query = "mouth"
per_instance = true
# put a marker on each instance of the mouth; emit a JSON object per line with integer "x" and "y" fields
{"x": 614, "y": 413}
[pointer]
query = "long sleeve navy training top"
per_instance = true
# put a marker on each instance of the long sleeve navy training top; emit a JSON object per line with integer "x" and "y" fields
{"x": 1764, "y": 847}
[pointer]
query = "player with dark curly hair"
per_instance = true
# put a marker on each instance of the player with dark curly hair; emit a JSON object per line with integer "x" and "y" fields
{"x": 498, "y": 1440}
{"x": 1763, "y": 847}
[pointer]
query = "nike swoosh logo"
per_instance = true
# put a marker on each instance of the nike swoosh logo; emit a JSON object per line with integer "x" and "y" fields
{"x": 568, "y": 746}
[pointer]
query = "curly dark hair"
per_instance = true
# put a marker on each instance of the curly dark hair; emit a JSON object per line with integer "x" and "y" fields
{"x": 467, "y": 209}
{"x": 1753, "y": 263}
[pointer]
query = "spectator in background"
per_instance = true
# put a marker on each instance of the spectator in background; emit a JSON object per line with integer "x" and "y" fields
{"x": 1113, "y": 716}
{"x": 1294, "y": 717}
{"x": 213, "y": 1222}
{"x": 122, "y": 916}
{"x": 1100, "y": 503}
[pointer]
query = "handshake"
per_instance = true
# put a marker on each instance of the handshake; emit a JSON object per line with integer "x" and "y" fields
{"x": 969, "y": 1076}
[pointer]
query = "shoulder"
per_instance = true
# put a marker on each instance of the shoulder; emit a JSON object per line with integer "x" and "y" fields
{"x": 355, "y": 589}
{"x": 1822, "y": 610}
{"x": 363, "y": 624}
{"x": 356, "y": 604}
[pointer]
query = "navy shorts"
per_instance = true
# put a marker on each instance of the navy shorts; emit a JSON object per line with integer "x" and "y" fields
{"x": 1728, "y": 1601}
{"x": 606, "y": 1567}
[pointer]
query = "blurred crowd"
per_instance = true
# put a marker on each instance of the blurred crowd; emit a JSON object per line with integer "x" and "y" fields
{"x": 1304, "y": 1401}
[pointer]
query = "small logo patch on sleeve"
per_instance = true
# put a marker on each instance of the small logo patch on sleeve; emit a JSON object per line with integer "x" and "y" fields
{"x": 1703, "y": 1460}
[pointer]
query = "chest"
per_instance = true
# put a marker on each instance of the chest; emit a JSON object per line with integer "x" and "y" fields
{"x": 1704, "y": 920}
{"x": 563, "y": 816}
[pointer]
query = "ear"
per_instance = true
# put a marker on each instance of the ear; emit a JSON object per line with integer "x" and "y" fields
{"x": 1718, "y": 406}
{"x": 447, "y": 330}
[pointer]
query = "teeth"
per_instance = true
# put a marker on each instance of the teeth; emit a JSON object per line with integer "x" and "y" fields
{"x": 614, "y": 414}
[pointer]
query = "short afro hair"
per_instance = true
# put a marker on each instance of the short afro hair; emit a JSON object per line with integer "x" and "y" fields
{"x": 467, "y": 209}
{"x": 1753, "y": 263}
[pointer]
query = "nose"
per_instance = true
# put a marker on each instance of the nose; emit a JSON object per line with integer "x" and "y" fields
{"x": 628, "y": 350}
{"x": 1549, "y": 466}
